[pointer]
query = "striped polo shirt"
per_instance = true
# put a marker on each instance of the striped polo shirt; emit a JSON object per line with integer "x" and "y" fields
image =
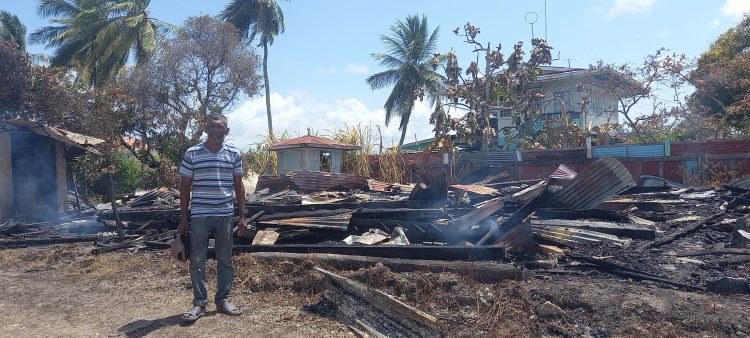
{"x": 213, "y": 179}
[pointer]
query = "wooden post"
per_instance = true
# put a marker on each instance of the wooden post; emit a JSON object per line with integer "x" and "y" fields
{"x": 75, "y": 190}
{"x": 114, "y": 206}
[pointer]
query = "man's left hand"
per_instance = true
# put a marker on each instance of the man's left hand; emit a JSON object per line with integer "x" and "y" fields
{"x": 242, "y": 227}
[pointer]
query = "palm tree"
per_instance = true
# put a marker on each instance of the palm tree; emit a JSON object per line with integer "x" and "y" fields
{"x": 11, "y": 29}
{"x": 410, "y": 48}
{"x": 99, "y": 35}
{"x": 258, "y": 17}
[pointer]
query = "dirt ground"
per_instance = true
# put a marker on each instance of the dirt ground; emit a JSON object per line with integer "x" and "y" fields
{"x": 64, "y": 291}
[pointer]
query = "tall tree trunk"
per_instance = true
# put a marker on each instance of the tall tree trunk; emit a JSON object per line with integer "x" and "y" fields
{"x": 268, "y": 90}
{"x": 403, "y": 136}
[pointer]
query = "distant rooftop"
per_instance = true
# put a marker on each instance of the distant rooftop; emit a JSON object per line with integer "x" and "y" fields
{"x": 310, "y": 141}
{"x": 546, "y": 70}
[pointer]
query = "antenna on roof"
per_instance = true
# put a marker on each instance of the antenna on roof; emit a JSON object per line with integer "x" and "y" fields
{"x": 530, "y": 19}
{"x": 545, "y": 21}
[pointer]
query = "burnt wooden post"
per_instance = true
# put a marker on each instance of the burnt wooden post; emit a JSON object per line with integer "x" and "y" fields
{"x": 114, "y": 206}
{"x": 75, "y": 190}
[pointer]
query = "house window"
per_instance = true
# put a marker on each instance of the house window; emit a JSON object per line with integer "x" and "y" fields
{"x": 326, "y": 164}
{"x": 561, "y": 99}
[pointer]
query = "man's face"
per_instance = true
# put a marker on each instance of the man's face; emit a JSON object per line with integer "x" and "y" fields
{"x": 216, "y": 130}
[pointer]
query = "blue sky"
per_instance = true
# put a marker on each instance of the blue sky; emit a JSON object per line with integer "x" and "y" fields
{"x": 318, "y": 67}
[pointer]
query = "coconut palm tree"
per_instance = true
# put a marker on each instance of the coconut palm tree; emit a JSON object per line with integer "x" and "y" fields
{"x": 411, "y": 49}
{"x": 11, "y": 29}
{"x": 99, "y": 35}
{"x": 262, "y": 18}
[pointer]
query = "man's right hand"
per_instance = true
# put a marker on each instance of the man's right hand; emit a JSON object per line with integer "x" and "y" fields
{"x": 182, "y": 229}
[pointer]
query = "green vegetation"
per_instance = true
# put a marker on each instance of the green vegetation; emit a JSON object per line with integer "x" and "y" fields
{"x": 411, "y": 67}
{"x": 262, "y": 18}
{"x": 11, "y": 29}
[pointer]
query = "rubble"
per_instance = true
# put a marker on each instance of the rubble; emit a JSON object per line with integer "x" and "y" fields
{"x": 693, "y": 239}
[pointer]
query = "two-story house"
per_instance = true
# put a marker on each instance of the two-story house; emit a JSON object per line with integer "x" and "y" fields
{"x": 563, "y": 89}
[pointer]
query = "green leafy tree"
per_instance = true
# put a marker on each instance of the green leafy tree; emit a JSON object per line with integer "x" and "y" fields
{"x": 11, "y": 29}
{"x": 98, "y": 36}
{"x": 262, "y": 18}
{"x": 722, "y": 78}
{"x": 411, "y": 72}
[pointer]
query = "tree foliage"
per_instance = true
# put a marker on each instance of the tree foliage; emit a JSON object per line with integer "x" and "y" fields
{"x": 11, "y": 29}
{"x": 97, "y": 37}
{"x": 500, "y": 85}
{"x": 411, "y": 67}
{"x": 722, "y": 78}
{"x": 47, "y": 95}
{"x": 202, "y": 70}
{"x": 262, "y": 18}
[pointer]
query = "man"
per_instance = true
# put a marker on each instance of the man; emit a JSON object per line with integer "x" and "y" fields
{"x": 212, "y": 171}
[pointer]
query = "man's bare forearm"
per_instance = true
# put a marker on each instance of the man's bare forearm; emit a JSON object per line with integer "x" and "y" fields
{"x": 239, "y": 194}
{"x": 186, "y": 184}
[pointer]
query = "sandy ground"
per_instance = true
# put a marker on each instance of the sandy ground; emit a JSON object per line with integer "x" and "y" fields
{"x": 66, "y": 292}
{"x": 134, "y": 295}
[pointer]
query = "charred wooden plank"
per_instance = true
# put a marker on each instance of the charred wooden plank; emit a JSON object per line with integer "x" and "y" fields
{"x": 45, "y": 241}
{"x": 602, "y": 214}
{"x": 480, "y": 271}
{"x": 430, "y": 252}
{"x": 379, "y": 311}
{"x": 723, "y": 251}
{"x": 617, "y": 229}
{"x": 680, "y": 233}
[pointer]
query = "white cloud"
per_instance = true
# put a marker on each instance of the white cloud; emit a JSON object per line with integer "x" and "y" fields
{"x": 356, "y": 69}
{"x": 295, "y": 113}
{"x": 630, "y": 6}
{"x": 715, "y": 23}
{"x": 350, "y": 69}
{"x": 735, "y": 8}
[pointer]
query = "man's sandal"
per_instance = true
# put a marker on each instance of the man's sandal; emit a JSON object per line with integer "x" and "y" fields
{"x": 228, "y": 309}
{"x": 194, "y": 313}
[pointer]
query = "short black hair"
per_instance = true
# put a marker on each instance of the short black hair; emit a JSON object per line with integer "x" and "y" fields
{"x": 216, "y": 117}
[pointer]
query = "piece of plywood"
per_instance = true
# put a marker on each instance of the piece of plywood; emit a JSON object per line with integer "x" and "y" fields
{"x": 265, "y": 237}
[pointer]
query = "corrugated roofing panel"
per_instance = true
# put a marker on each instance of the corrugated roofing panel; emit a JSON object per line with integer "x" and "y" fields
{"x": 604, "y": 178}
{"x": 630, "y": 150}
{"x": 711, "y": 147}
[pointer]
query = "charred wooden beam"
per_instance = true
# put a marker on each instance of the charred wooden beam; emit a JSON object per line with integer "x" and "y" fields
{"x": 602, "y": 214}
{"x": 45, "y": 241}
{"x": 723, "y": 251}
{"x": 433, "y": 252}
{"x": 517, "y": 218}
{"x": 625, "y": 271}
{"x": 298, "y": 214}
{"x": 480, "y": 271}
{"x": 680, "y": 233}
{"x": 377, "y": 310}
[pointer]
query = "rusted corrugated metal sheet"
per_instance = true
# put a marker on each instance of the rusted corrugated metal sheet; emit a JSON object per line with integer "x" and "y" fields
{"x": 311, "y": 181}
{"x": 318, "y": 181}
{"x": 380, "y": 186}
{"x": 531, "y": 172}
{"x": 605, "y": 178}
{"x": 487, "y": 157}
{"x": 711, "y": 147}
{"x": 553, "y": 154}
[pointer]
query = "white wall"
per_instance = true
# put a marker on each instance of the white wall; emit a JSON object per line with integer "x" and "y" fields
{"x": 602, "y": 108}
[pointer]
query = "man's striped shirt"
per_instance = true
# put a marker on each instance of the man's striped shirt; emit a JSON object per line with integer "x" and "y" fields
{"x": 213, "y": 179}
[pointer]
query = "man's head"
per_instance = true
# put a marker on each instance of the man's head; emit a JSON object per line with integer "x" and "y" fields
{"x": 216, "y": 127}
